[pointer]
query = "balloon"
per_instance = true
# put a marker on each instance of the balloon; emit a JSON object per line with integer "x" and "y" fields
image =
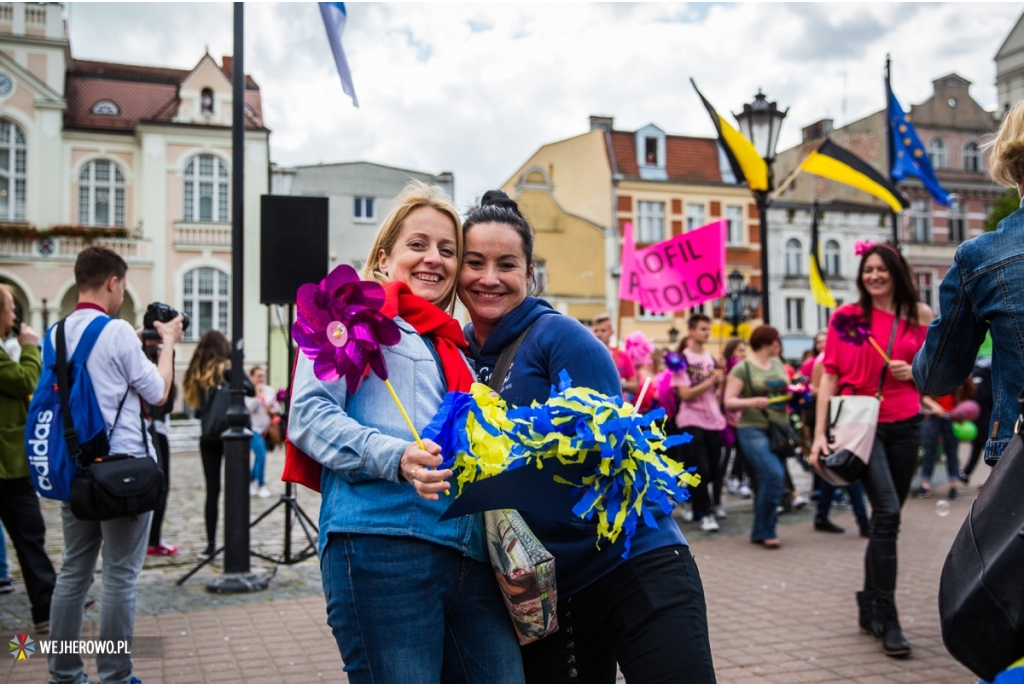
{"x": 968, "y": 410}
{"x": 965, "y": 431}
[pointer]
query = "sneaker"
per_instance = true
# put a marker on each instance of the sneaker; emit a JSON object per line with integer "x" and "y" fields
{"x": 6, "y": 586}
{"x": 963, "y": 477}
{"x": 720, "y": 512}
{"x": 799, "y": 502}
{"x": 162, "y": 550}
{"x": 732, "y": 485}
{"x": 252, "y": 489}
{"x": 708, "y": 524}
{"x": 135, "y": 681}
{"x": 744, "y": 491}
{"x": 953, "y": 493}
{"x": 263, "y": 492}
{"x": 686, "y": 511}
{"x": 923, "y": 491}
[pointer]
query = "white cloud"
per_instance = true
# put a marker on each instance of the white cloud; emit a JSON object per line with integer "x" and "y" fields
{"x": 476, "y": 88}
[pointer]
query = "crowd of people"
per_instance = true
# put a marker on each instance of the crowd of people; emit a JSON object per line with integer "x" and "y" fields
{"x": 381, "y": 533}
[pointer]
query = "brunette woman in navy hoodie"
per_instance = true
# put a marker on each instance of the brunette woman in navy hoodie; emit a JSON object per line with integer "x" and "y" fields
{"x": 646, "y": 613}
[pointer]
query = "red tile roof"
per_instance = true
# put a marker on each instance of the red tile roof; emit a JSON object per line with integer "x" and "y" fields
{"x": 141, "y": 93}
{"x": 688, "y": 159}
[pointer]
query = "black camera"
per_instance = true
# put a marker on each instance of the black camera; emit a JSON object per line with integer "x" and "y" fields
{"x": 158, "y": 311}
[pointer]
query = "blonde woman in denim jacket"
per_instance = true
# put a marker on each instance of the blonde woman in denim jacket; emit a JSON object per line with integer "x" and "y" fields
{"x": 409, "y": 598}
{"x": 981, "y": 293}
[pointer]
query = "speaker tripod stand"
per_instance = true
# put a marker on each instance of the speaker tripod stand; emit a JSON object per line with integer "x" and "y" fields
{"x": 291, "y": 509}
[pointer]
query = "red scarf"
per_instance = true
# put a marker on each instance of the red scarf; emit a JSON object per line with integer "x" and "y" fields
{"x": 429, "y": 321}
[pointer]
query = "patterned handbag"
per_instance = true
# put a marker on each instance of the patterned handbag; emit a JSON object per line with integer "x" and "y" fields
{"x": 524, "y": 568}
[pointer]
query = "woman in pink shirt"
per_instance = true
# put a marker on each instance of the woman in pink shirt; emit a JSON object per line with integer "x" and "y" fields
{"x": 891, "y": 309}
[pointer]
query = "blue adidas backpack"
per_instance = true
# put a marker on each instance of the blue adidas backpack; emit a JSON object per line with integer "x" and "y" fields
{"x": 52, "y": 466}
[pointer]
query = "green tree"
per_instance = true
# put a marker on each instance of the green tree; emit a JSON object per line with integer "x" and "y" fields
{"x": 1007, "y": 204}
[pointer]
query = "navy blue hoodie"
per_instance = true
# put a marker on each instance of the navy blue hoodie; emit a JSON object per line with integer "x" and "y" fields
{"x": 558, "y": 342}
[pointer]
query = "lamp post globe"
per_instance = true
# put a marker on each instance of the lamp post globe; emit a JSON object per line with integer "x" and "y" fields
{"x": 735, "y": 281}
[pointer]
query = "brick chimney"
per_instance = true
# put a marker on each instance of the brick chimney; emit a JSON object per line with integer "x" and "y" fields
{"x": 226, "y": 65}
{"x": 817, "y": 129}
{"x": 597, "y": 121}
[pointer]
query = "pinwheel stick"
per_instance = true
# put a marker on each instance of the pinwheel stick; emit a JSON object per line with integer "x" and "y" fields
{"x": 408, "y": 421}
{"x": 640, "y": 397}
{"x": 880, "y": 350}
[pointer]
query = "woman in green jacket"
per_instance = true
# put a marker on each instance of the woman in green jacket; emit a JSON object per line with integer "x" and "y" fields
{"x": 19, "y": 505}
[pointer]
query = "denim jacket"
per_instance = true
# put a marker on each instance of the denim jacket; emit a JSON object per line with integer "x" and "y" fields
{"x": 360, "y": 439}
{"x": 983, "y": 290}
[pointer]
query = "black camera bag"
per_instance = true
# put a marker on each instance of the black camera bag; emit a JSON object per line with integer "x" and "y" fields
{"x": 113, "y": 486}
{"x": 981, "y": 590}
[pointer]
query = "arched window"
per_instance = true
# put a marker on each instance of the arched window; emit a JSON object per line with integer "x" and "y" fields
{"x": 207, "y": 298}
{"x": 831, "y": 264}
{"x": 105, "y": 107}
{"x": 206, "y": 189}
{"x": 794, "y": 257}
{"x": 12, "y": 172}
{"x": 206, "y": 101}
{"x": 937, "y": 153}
{"x": 972, "y": 157}
{"x": 101, "y": 194}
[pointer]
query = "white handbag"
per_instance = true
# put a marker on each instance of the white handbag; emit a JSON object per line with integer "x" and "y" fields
{"x": 852, "y": 422}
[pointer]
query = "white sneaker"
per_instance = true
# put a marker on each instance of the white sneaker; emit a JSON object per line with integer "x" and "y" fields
{"x": 744, "y": 491}
{"x": 263, "y": 492}
{"x": 708, "y": 524}
{"x": 686, "y": 510}
{"x": 720, "y": 512}
{"x": 252, "y": 489}
{"x": 731, "y": 485}
{"x": 799, "y": 502}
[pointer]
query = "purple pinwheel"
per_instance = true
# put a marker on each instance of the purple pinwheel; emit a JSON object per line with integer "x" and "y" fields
{"x": 851, "y": 328}
{"x": 340, "y": 327}
{"x": 675, "y": 362}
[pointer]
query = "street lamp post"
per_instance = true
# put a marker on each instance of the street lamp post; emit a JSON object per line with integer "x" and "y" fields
{"x": 743, "y": 300}
{"x": 760, "y": 122}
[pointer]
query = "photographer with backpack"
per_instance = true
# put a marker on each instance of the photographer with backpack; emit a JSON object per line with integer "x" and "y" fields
{"x": 121, "y": 379}
{"x": 19, "y": 505}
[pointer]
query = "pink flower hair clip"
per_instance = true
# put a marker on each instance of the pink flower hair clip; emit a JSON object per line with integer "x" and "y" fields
{"x": 862, "y": 246}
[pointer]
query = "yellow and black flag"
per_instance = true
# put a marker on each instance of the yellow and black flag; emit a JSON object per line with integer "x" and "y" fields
{"x": 821, "y": 292}
{"x": 839, "y": 164}
{"x": 746, "y": 163}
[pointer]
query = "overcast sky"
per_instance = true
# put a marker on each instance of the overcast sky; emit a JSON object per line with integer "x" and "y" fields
{"x": 476, "y": 88}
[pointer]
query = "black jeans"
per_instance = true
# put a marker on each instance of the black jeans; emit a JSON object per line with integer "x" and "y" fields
{"x": 648, "y": 615}
{"x": 212, "y": 452}
{"x": 163, "y": 457}
{"x": 704, "y": 452}
{"x": 19, "y": 511}
{"x": 887, "y": 482}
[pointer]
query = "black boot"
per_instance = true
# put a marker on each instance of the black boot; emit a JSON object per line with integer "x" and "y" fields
{"x": 893, "y": 642}
{"x": 824, "y": 525}
{"x": 866, "y": 619}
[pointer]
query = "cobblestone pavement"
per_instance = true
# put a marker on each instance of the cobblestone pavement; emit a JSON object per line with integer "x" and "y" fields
{"x": 775, "y": 616}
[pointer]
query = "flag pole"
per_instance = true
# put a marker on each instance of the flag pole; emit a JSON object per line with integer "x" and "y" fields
{"x": 889, "y": 147}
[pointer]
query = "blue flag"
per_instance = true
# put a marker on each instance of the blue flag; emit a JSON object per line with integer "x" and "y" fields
{"x": 334, "y": 20}
{"x": 910, "y": 158}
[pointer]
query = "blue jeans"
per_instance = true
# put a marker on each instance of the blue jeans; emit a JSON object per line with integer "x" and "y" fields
{"x": 404, "y": 610}
{"x": 4, "y": 571}
{"x": 856, "y": 492}
{"x": 259, "y": 465}
{"x": 123, "y": 543}
{"x": 932, "y": 429}
{"x": 770, "y": 476}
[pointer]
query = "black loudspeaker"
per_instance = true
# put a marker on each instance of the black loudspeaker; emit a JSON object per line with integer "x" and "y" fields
{"x": 293, "y": 245}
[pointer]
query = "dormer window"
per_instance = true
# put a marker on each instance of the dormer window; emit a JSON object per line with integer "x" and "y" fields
{"x": 206, "y": 102}
{"x": 650, "y": 153}
{"x": 105, "y": 107}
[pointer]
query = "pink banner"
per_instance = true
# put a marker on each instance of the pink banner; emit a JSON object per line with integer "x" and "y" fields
{"x": 679, "y": 273}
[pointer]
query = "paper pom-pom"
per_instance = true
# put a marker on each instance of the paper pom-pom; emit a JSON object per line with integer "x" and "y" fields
{"x": 675, "y": 362}
{"x": 851, "y": 328}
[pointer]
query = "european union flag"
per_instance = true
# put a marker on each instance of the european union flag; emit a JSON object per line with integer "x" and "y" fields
{"x": 910, "y": 158}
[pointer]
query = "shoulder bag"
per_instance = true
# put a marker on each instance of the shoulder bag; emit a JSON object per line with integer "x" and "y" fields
{"x": 524, "y": 568}
{"x": 112, "y": 486}
{"x": 852, "y": 422}
{"x": 214, "y": 420}
{"x": 981, "y": 590}
{"x": 782, "y": 440}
